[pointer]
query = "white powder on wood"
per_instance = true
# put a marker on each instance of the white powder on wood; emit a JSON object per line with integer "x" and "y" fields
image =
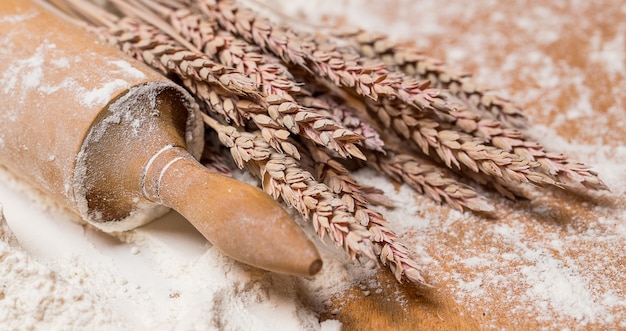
{"x": 569, "y": 275}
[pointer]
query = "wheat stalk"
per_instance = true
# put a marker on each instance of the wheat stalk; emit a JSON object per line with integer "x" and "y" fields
{"x": 492, "y": 161}
{"x": 414, "y": 63}
{"x": 160, "y": 51}
{"x": 288, "y": 93}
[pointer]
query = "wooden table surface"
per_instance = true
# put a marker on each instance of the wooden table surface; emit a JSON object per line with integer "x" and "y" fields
{"x": 564, "y": 62}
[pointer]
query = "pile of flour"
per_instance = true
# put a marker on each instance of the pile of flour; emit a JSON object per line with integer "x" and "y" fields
{"x": 32, "y": 295}
{"x": 59, "y": 274}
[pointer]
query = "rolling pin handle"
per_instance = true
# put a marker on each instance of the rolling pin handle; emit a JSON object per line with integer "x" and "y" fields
{"x": 240, "y": 220}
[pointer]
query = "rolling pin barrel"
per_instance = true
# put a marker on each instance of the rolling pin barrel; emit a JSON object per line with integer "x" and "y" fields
{"x": 112, "y": 140}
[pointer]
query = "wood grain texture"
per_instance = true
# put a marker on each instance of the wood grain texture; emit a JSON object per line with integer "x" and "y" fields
{"x": 400, "y": 307}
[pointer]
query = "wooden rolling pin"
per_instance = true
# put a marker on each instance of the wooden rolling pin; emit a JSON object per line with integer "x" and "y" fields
{"x": 113, "y": 141}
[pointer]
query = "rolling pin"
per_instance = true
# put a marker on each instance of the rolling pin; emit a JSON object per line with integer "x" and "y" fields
{"x": 113, "y": 141}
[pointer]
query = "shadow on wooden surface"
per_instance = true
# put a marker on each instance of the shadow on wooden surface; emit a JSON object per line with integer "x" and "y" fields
{"x": 394, "y": 306}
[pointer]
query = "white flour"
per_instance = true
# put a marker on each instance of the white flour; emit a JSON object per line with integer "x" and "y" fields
{"x": 33, "y": 296}
{"x": 164, "y": 276}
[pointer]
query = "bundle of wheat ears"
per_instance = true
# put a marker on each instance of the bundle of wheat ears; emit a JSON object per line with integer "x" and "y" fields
{"x": 301, "y": 110}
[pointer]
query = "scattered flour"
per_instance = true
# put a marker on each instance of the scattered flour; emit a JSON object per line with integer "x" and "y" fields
{"x": 102, "y": 95}
{"x": 571, "y": 273}
{"x": 33, "y": 296}
{"x": 28, "y": 72}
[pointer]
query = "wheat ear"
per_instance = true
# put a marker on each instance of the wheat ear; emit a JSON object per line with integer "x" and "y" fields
{"x": 570, "y": 173}
{"x": 390, "y": 251}
{"x": 427, "y": 178}
{"x": 414, "y": 63}
{"x": 456, "y": 148}
{"x": 497, "y": 132}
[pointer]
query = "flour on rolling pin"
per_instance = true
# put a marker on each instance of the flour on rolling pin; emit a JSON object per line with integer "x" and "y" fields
{"x": 54, "y": 87}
